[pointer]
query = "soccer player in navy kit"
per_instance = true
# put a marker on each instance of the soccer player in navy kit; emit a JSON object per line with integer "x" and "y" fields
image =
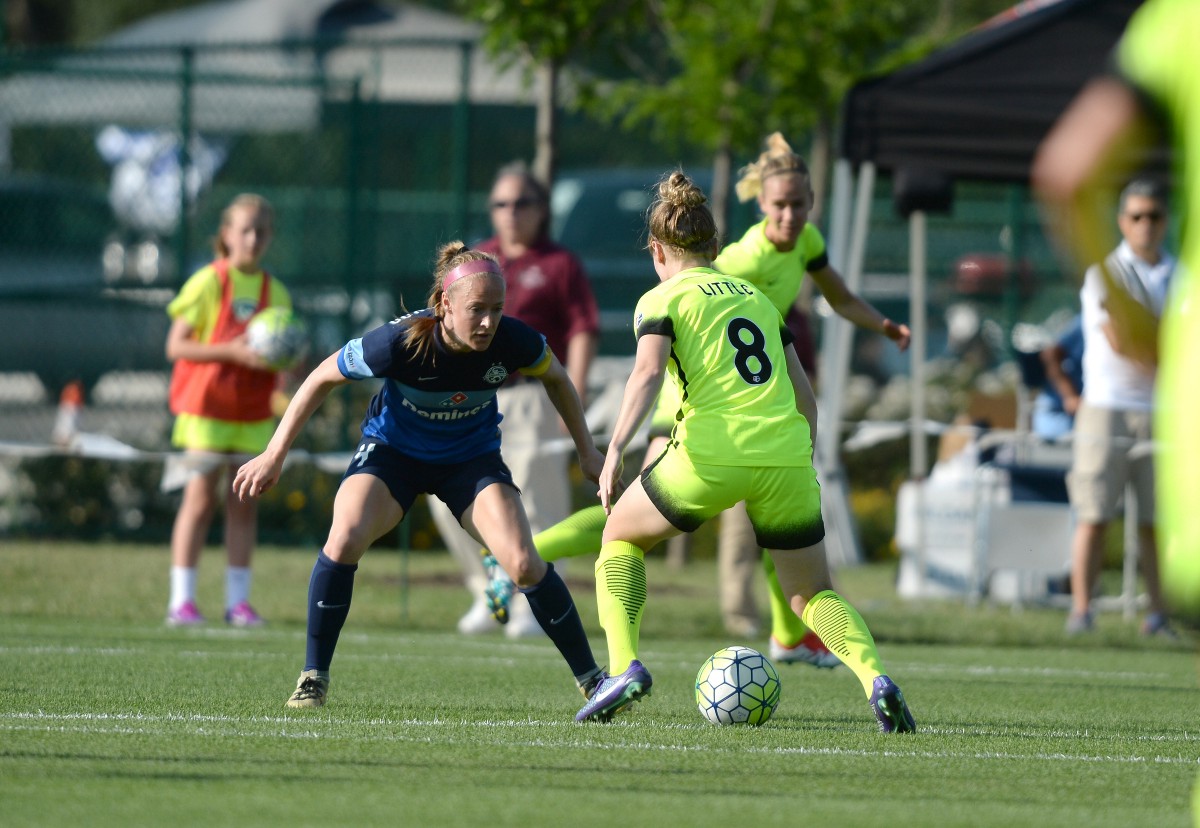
{"x": 744, "y": 433}
{"x": 433, "y": 428}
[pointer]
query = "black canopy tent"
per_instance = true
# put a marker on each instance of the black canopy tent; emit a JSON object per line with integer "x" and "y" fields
{"x": 977, "y": 109}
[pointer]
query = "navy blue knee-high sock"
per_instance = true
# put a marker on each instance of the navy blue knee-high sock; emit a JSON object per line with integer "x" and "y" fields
{"x": 555, "y": 610}
{"x": 329, "y": 591}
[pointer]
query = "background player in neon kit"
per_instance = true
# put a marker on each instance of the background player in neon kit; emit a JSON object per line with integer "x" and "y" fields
{"x": 433, "y": 428}
{"x": 743, "y": 434}
{"x": 775, "y": 255}
{"x": 548, "y": 290}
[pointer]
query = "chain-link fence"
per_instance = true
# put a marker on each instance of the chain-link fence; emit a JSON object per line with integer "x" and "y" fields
{"x": 373, "y": 154}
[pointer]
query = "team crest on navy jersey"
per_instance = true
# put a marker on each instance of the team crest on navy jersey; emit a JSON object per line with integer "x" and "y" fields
{"x": 496, "y": 374}
{"x": 458, "y": 398}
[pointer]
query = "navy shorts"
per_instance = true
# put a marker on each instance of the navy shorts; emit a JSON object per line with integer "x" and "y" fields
{"x": 455, "y": 484}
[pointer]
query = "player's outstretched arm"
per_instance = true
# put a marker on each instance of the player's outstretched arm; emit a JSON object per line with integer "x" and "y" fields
{"x": 849, "y": 305}
{"x": 1093, "y": 144}
{"x": 260, "y": 474}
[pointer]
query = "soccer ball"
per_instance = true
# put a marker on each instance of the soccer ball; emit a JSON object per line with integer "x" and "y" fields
{"x": 737, "y": 685}
{"x": 278, "y": 336}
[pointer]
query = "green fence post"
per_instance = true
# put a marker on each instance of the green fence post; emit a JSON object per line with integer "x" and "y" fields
{"x": 186, "y": 80}
{"x": 354, "y": 158}
{"x": 462, "y": 133}
{"x": 352, "y": 140}
{"x": 1012, "y": 294}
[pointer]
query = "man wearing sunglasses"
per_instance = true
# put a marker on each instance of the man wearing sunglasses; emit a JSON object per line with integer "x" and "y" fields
{"x": 1112, "y": 425}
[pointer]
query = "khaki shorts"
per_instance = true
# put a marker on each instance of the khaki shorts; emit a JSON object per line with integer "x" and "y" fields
{"x": 1110, "y": 451}
{"x": 783, "y": 502}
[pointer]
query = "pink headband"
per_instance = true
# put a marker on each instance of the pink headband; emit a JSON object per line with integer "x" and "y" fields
{"x": 468, "y": 269}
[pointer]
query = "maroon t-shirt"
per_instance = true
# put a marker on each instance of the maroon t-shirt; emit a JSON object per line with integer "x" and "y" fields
{"x": 548, "y": 290}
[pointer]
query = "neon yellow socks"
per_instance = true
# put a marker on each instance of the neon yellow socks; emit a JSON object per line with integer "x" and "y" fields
{"x": 786, "y": 626}
{"x": 579, "y": 534}
{"x": 620, "y": 599}
{"x": 845, "y": 633}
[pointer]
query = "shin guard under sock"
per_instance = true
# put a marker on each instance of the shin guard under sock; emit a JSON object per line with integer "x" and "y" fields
{"x": 329, "y": 591}
{"x": 620, "y": 599}
{"x": 555, "y": 610}
{"x": 845, "y": 633}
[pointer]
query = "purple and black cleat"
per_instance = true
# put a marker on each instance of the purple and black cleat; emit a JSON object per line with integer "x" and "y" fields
{"x": 887, "y": 703}
{"x": 616, "y": 693}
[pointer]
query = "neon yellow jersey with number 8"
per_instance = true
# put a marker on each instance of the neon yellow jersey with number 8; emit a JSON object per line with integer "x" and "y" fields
{"x": 727, "y": 358}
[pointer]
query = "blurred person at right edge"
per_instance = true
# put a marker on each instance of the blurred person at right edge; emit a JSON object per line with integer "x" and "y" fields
{"x": 773, "y": 255}
{"x": 1147, "y": 94}
{"x": 548, "y": 290}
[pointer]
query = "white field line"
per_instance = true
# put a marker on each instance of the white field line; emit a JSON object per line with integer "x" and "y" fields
{"x": 1049, "y": 672}
{"x": 508, "y": 652}
{"x": 335, "y": 722}
{"x": 137, "y": 724}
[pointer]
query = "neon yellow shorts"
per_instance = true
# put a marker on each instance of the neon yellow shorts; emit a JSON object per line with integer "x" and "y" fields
{"x": 207, "y": 434}
{"x": 783, "y": 502}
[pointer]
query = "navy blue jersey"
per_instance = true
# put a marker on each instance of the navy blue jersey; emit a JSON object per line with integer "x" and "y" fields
{"x": 440, "y": 407}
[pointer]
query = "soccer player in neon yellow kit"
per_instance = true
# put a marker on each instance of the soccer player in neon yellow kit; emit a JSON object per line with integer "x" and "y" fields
{"x": 774, "y": 255}
{"x": 743, "y": 433}
{"x": 1078, "y": 166}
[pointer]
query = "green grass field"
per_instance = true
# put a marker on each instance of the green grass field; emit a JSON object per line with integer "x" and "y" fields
{"x": 109, "y": 718}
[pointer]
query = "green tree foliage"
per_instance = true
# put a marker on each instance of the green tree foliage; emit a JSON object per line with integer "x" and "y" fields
{"x": 727, "y": 68}
{"x": 553, "y": 30}
{"x": 738, "y": 72}
{"x": 549, "y": 33}
{"x": 724, "y": 73}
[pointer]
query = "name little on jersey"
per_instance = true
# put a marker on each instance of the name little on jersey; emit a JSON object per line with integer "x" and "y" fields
{"x": 726, "y": 289}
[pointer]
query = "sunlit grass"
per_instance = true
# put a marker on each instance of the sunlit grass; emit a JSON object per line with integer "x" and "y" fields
{"x": 107, "y": 717}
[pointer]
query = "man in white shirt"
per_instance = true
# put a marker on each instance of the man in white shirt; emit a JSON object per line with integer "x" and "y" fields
{"x": 1112, "y": 426}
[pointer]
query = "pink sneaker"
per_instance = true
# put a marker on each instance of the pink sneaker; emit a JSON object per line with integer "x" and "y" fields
{"x": 809, "y": 650}
{"x": 185, "y": 615}
{"x": 243, "y": 615}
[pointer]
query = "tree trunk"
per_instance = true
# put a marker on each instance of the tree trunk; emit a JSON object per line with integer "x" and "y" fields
{"x": 546, "y": 132}
{"x": 723, "y": 158}
{"x": 819, "y": 165}
{"x": 722, "y": 173}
